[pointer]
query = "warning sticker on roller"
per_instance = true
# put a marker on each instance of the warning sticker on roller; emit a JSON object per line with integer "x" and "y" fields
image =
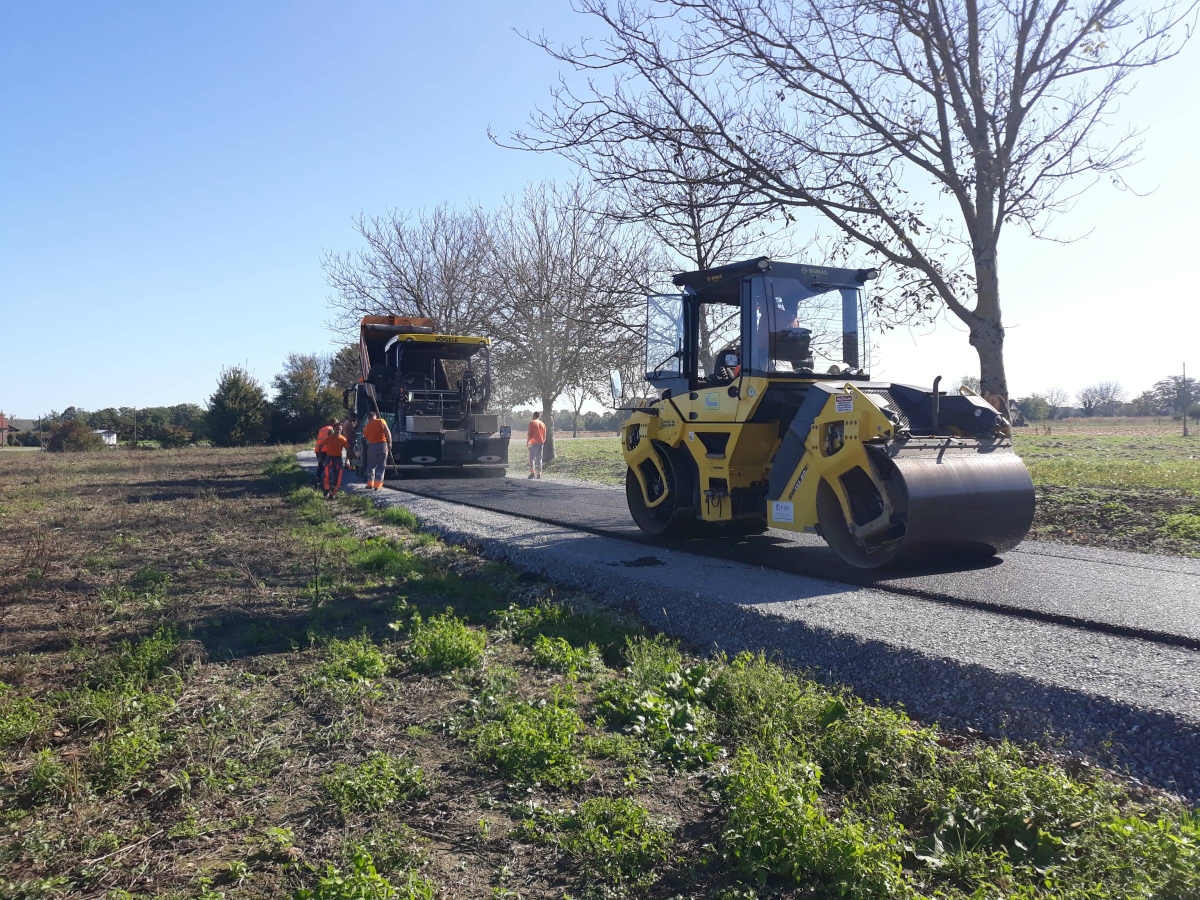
{"x": 843, "y": 402}
{"x": 781, "y": 511}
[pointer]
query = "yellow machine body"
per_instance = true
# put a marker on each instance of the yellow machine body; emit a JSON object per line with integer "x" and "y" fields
{"x": 879, "y": 470}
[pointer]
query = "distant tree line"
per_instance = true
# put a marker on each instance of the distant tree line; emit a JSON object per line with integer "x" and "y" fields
{"x": 307, "y": 394}
{"x": 1169, "y": 397}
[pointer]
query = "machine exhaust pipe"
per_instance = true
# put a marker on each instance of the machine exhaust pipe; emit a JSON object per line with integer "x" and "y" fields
{"x": 937, "y": 403}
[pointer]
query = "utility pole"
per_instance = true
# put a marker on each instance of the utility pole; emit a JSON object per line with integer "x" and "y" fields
{"x": 134, "y": 445}
{"x": 1187, "y": 398}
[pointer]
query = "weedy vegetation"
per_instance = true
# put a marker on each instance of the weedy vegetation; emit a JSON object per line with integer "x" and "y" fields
{"x": 216, "y": 684}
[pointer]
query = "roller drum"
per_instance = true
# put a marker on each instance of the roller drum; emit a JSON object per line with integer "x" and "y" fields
{"x": 961, "y": 501}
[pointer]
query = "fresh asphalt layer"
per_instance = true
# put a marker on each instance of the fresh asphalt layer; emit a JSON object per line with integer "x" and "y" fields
{"x": 1111, "y": 696}
{"x": 1153, "y": 597}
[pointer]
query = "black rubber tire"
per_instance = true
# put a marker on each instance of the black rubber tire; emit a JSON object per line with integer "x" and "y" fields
{"x": 675, "y": 517}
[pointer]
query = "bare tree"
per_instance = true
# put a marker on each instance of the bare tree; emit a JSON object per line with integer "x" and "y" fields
{"x": 918, "y": 129}
{"x": 1058, "y": 399}
{"x": 433, "y": 263}
{"x": 568, "y": 281}
{"x": 1101, "y": 398}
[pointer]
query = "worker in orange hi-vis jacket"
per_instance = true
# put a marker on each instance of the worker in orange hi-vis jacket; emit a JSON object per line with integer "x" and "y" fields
{"x": 379, "y": 438}
{"x": 334, "y": 445}
{"x": 536, "y": 440}
{"x": 326, "y": 431}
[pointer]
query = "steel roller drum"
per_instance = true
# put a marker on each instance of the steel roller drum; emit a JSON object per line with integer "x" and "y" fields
{"x": 960, "y": 500}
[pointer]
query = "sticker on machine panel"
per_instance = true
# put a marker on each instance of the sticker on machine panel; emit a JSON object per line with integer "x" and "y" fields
{"x": 781, "y": 511}
{"x": 843, "y": 402}
{"x": 712, "y": 401}
{"x": 691, "y": 435}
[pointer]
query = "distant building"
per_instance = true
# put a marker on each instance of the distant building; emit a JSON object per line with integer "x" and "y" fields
{"x": 24, "y": 426}
{"x": 109, "y": 437}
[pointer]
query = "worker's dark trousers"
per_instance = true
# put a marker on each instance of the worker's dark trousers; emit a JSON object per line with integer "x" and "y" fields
{"x": 321, "y": 458}
{"x": 376, "y": 462}
{"x": 333, "y": 474}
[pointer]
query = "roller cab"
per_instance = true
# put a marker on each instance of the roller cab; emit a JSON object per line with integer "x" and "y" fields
{"x": 765, "y": 418}
{"x": 433, "y": 391}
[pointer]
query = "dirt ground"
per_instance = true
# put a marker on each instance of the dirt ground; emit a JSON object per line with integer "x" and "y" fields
{"x": 216, "y": 684}
{"x": 177, "y": 622}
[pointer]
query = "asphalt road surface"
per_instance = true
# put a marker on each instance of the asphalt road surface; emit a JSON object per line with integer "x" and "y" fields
{"x": 1155, "y": 598}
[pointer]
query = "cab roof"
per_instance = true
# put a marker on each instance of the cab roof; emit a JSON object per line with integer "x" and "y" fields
{"x": 720, "y": 284}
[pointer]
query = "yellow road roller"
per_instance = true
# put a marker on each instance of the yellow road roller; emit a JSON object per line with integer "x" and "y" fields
{"x": 765, "y": 418}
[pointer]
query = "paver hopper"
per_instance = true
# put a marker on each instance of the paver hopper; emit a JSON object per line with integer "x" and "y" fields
{"x": 433, "y": 391}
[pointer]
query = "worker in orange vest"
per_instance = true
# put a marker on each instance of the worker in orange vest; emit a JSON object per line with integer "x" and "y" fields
{"x": 326, "y": 431}
{"x": 334, "y": 444}
{"x": 379, "y": 439}
{"x": 536, "y": 440}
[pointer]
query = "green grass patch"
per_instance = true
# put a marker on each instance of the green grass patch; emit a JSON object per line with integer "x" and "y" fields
{"x": 285, "y": 475}
{"x": 400, "y": 516}
{"x": 375, "y": 784}
{"x": 46, "y": 782}
{"x": 660, "y": 699}
{"x": 356, "y": 659}
{"x": 615, "y": 841}
{"x": 557, "y": 655}
{"x": 445, "y": 643}
{"x": 134, "y": 665}
{"x": 391, "y": 849}
{"x": 129, "y": 751}
{"x": 363, "y": 882}
{"x": 776, "y": 828}
{"x": 534, "y": 742}
{"x": 608, "y": 633}
{"x": 20, "y": 717}
{"x": 1112, "y": 461}
{"x": 1184, "y": 525}
{"x": 590, "y": 459}
{"x": 149, "y": 580}
{"x": 384, "y": 557}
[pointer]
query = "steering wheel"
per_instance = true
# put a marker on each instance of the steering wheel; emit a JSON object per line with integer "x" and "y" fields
{"x": 722, "y": 371}
{"x": 410, "y": 380}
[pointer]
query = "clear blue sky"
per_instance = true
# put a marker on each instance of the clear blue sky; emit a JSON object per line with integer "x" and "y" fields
{"x": 170, "y": 175}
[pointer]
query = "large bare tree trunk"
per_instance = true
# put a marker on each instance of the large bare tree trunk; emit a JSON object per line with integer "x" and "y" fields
{"x": 987, "y": 332}
{"x": 548, "y": 419}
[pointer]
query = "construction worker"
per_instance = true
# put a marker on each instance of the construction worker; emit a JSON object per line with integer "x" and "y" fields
{"x": 379, "y": 439}
{"x": 334, "y": 445}
{"x": 326, "y": 431}
{"x": 536, "y": 440}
